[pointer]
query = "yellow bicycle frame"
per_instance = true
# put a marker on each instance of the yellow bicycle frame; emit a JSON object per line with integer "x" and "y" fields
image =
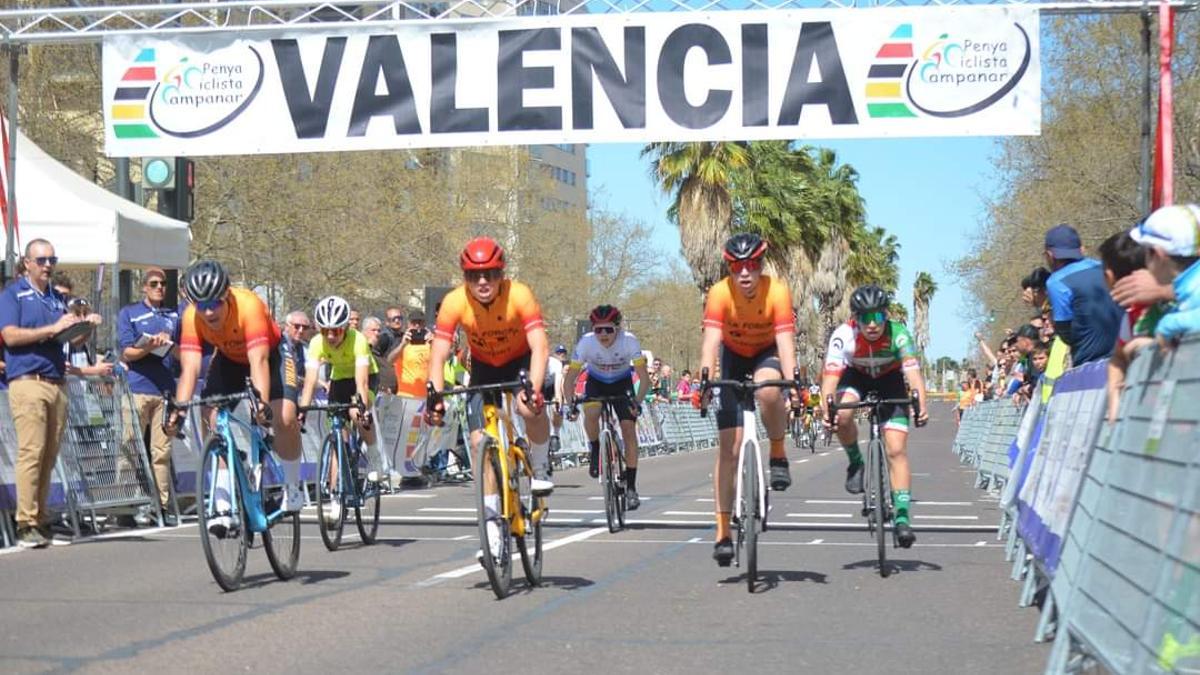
{"x": 496, "y": 427}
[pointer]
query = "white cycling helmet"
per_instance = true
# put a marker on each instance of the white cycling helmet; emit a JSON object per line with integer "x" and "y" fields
{"x": 332, "y": 312}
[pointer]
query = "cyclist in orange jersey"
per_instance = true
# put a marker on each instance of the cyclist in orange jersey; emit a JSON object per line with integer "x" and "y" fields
{"x": 748, "y": 315}
{"x": 248, "y": 343}
{"x": 506, "y": 334}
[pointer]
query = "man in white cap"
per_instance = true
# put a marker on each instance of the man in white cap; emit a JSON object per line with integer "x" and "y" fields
{"x": 1171, "y": 236}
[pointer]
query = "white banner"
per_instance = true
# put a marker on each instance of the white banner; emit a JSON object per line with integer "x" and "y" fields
{"x": 781, "y": 74}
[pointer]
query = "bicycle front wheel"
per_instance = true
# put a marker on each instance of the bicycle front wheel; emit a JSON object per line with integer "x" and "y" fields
{"x": 608, "y": 466}
{"x": 878, "y": 485}
{"x": 751, "y": 515}
{"x": 532, "y": 510}
{"x": 366, "y": 509}
{"x": 494, "y": 528}
{"x": 223, "y": 531}
{"x": 330, "y": 489}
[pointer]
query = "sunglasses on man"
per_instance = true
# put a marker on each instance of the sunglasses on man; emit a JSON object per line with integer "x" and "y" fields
{"x": 156, "y": 284}
{"x": 739, "y": 266}
{"x": 44, "y": 260}
{"x": 476, "y": 276}
{"x": 872, "y": 317}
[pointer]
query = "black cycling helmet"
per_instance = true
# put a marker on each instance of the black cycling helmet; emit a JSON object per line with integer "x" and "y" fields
{"x": 744, "y": 246}
{"x": 605, "y": 314}
{"x": 206, "y": 281}
{"x": 869, "y": 298}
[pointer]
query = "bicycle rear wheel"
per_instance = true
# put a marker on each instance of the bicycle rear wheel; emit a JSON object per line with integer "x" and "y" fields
{"x": 330, "y": 488}
{"x": 751, "y": 473}
{"x": 498, "y": 567}
{"x": 608, "y": 468}
{"x": 531, "y": 556}
{"x": 281, "y": 541}
{"x": 223, "y": 531}
{"x": 876, "y": 469}
{"x": 366, "y": 509}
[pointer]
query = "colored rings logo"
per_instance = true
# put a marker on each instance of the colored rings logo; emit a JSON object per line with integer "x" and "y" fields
{"x": 187, "y": 99}
{"x": 949, "y": 77}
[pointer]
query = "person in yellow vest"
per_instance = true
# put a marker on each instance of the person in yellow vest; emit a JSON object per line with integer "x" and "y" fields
{"x": 410, "y": 358}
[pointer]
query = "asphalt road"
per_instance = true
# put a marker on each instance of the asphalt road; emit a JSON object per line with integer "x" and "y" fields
{"x": 648, "y": 599}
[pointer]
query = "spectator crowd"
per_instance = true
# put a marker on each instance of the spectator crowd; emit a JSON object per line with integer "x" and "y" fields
{"x": 1142, "y": 292}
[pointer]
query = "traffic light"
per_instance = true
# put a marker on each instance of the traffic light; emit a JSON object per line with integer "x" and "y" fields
{"x": 175, "y": 180}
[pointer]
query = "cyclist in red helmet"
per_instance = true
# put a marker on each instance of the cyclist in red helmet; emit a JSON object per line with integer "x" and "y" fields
{"x": 506, "y": 334}
{"x": 611, "y": 355}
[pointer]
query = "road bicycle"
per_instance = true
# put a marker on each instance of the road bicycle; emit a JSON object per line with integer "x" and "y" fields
{"x": 502, "y": 468}
{"x": 877, "y": 483}
{"x": 343, "y": 477}
{"x": 612, "y": 457}
{"x": 239, "y": 493}
{"x": 751, "y": 502}
{"x": 803, "y": 431}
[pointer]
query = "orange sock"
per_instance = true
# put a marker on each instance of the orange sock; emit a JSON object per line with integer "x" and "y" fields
{"x": 777, "y": 451}
{"x": 722, "y": 525}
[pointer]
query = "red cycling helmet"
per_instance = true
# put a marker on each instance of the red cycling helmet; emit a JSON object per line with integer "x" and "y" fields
{"x": 605, "y": 314}
{"x": 482, "y": 253}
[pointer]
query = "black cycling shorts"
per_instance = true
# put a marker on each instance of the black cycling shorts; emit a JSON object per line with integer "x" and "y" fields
{"x": 482, "y": 373}
{"x": 343, "y": 391}
{"x": 891, "y": 385}
{"x": 737, "y": 367}
{"x": 622, "y": 388}
{"x": 225, "y": 376}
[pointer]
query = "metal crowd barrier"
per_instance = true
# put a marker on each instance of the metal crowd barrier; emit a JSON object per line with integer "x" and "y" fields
{"x": 995, "y": 443}
{"x": 1103, "y": 520}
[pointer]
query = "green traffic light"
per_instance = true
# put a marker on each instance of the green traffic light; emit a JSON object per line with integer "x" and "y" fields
{"x": 157, "y": 172}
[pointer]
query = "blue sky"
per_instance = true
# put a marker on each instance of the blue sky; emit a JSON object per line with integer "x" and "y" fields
{"x": 928, "y": 192}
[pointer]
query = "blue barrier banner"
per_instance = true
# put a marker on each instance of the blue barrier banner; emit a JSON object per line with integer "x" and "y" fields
{"x": 1073, "y": 420}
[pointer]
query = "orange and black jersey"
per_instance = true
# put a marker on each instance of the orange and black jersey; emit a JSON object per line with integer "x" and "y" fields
{"x": 496, "y": 331}
{"x": 749, "y": 325}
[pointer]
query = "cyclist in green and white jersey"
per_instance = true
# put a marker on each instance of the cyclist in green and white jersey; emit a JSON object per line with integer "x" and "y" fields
{"x": 352, "y": 371}
{"x": 871, "y": 353}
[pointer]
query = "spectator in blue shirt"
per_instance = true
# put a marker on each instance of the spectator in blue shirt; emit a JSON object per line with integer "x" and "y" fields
{"x": 1083, "y": 311}
{"x": 32, "y": 313}
{"x": 1173, "y": 256}
{"x": 147, "y": 332}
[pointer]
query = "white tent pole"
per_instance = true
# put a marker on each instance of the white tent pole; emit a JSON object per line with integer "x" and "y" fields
{"x": 10, "y": 224}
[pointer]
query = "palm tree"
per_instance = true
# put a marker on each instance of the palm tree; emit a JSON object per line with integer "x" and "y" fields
{"x": 924, "y": 287}
{"x": 844, "y": 214}
{"x": 898, "y": 312}
{"x": 699, "y": 177}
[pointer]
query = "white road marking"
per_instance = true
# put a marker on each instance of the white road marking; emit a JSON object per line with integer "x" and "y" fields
{"x": 447, "y": 509}
{"x": 833, "y": 501}
{"x": 585, "y": 512}
{"x": 801, "y": 461}
{"x": 981, "y": 543}
{"x": 708, "y": 500}
{"x": 816, "y": 541}
{"x": 925, "y": 517}
{"x": 820, "y": 515}
{"x": 645, "y": 499}
{"x": 462, "y": 538}
{"x": 687, "y": 513}
{"x": 475, "y": 567}
{"x": 695, "y": 540}
{"x": 922, "y": 502}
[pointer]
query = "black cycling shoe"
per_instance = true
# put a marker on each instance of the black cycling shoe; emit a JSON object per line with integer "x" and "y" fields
{"x": 594, "y": 464}
{"x": 904, "y": 535}
{"x": 723, "y": 552}
{"x": 854, "y": 479}
{"x": 781, "y": 476}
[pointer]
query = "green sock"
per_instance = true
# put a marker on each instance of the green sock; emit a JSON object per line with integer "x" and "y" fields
{"x": 853, "y": 453}
{"x": 901, "y": 499}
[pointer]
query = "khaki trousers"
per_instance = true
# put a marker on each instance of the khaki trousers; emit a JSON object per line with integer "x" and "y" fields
{"x": 150, "y": 411}
{"x": 39, "y": 413}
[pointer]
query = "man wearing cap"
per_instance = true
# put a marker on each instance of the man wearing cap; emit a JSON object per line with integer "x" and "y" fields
{"x": 411, "y": 358}
{"x": 1084, "y": 313}
{"x": 552, "y": 391}
{"x": 147, "y": 332}
{"x": 1171, "y": 236}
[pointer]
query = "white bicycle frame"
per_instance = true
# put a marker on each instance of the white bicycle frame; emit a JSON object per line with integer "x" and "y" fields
{"x": 750, "y": 442}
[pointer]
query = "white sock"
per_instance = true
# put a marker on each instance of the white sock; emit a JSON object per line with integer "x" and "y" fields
{"x": 539, "y": 455}
{"x": 291, "y": 471}
{"x": 222, "y": 491}
{"x": 491, "y": 505}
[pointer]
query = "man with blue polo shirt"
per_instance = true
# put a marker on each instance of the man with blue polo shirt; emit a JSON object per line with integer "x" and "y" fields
{"x": 31, "y": 314}
{"x": 1084, "y": 313}
{"x": 147, "y": 333}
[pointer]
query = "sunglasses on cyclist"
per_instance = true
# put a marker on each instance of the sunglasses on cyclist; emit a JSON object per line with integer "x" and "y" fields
{"x": 604, "y": 330}
{"x": 476, "y": 276}
{"x": 872, "y": 317}
{"x": 210, "y": 305}
{"x": 738, "y": 266}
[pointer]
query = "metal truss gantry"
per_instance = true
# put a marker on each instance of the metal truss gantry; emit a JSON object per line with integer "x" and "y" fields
{"x": 90, "y": 23}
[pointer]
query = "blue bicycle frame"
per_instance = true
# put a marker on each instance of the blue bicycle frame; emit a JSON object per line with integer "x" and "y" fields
{"x": 257, "y": 519}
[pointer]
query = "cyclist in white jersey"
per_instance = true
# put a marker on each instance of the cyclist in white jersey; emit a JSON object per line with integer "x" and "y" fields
{"x": 611, "y": 355}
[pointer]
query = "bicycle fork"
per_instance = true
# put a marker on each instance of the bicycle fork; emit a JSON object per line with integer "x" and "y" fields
{"x": 750, "y": 444}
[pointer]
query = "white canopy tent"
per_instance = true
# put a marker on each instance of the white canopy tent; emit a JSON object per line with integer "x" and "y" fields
{"x": 87, "y": 224}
